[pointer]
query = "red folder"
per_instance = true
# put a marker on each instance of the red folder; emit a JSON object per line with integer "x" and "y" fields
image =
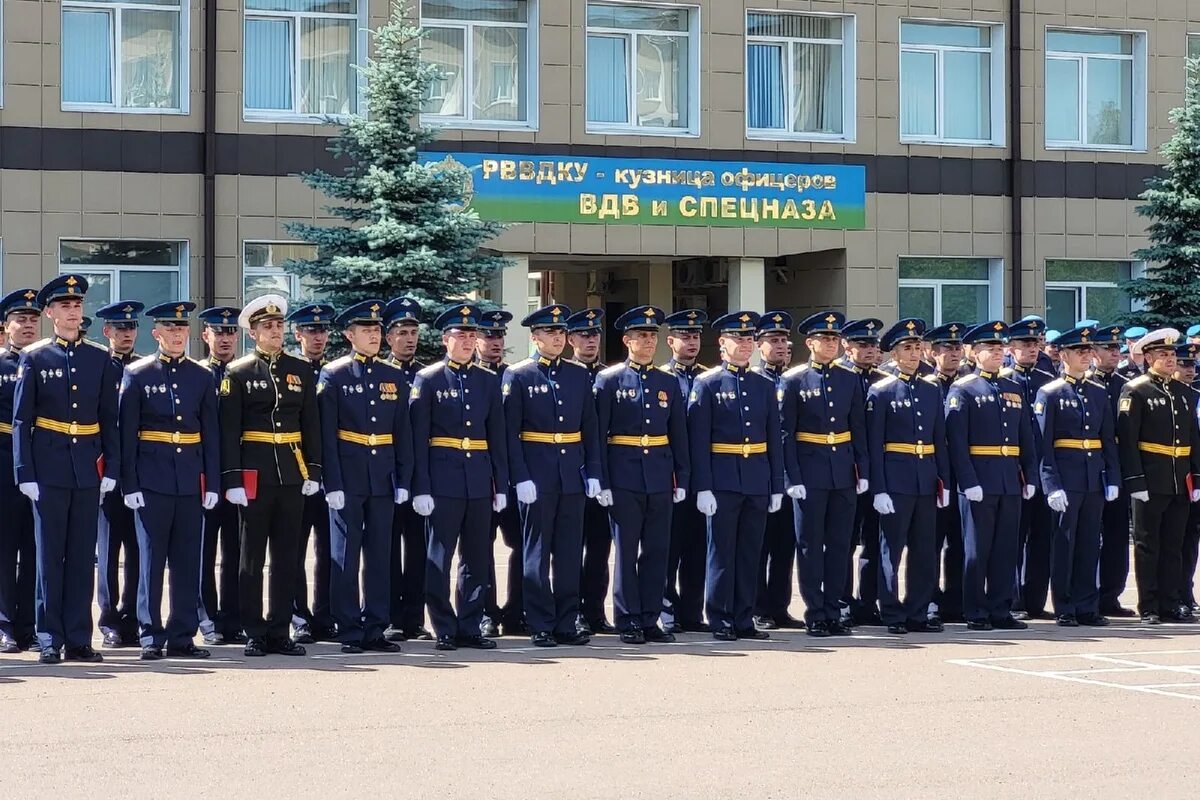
{"x": 202, "y": 486}
{"x": 100, "y": 466}
{"x": 1190, "y": 484}
{"x": 250, "y": 483}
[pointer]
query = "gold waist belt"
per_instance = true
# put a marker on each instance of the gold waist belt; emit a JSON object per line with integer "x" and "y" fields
{"x": 174, "y": 437}
{"x": 823, "y": 438}
{"x": 1001, "y": 450}
{"x": 365, "y": 439}
{"x": 640, "y": 441}
{"x": 1165, "y": 449}
{"x": 551, "y": 438}
{"x": 458, "y": 444}
{"x": 919, "y": 450}
{"x": 1078, "y": 444}
{"x": 744, "y": 450}
{"x": 69, "y": 428}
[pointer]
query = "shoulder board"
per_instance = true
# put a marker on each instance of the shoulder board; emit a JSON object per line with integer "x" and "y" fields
{"x": 521, "y": 363}
{"x": 1044, "y": 372}
{"x": 488, "y": 370}
{"x": 757, "y": 369}
{"x": 249, "y": 358}
{"x": 38, "y": 344}
{"x": 851, "y": 369}
{"x": 710, "y": 371}
{"x": 142, "y": 362}
{"x": 96, "y": 345}
{"x": 930, "y": 377}
{"x": 965, "y": 379}
{"x": 576, "y": 362}
{"x": 1005, "y": 372}
{"x": 339, "y": 362}
{"x": 1139, "y": 380}
{"x": 885, "y": 380}
{"x": 667, "y": 369}
{"x": 796, "y": 370}
{"x": 432, "y": 369}
{"x": 1095, "y": 383}
{"x": 702, "y": 368}
{"x": 1057, "y": 383}
{"x": 573, "y": 364}
{"x": 197, "y": 362}
{"x": 613, "y": 370}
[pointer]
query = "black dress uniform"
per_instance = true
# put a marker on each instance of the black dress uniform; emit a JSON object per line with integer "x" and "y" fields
{"x": 461, "y": 469}
{"x": 683, "y": 599}
{"x": 641, "y": 416}
{"x": 1159, "y": 441}
{"x": 66, "y": 451}
{"x": 407, "y": 581}
{"x": 220, "y": 615}
{"x": 117, "y": 587}
{"x": 737, "y": 477}
{"x": 553, "y": 457}
{"x": 1079, "y": 466}
{"x": 17, "y": 551}
{"x": 170, "y": 470}
{"x": 990, "y": 436}
{"x": 826, "y": 455}
{"x": 910, "y": 471}
{"x": 367, "y": 447}
{"x": 271, "y": 434}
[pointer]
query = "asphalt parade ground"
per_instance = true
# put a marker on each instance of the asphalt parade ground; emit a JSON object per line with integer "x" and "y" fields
{"x": 1047, "y": 712}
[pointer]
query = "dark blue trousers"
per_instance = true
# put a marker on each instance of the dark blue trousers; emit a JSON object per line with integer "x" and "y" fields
{"x": 64, "y": 527}
{"x": 824, "y": 521}
{"x": 508, "y": 523}
{"x": 408, "y": 556}
{"x": 316, "y": 521}
{"x": 552, "y": 529}
{"x": 219, "y": 596}
{"x": 683, "y": 600}
{"x": 361, "y": 536}
{"x": 775, "y": 567}
{"x": 597, "y": 546}
{"x": 169, "y": 531}
{"x": 641, "y": 532}
{"x": 990, "y": 555}
{"x": 1114, "y": 552}
{"x": 1037, "y": 533}
{"x": 866, "y": 532}
{"x": 462, "y": 524}
{"x": 949, "y": 594}
{"x": 913, "y": 526}
{"x": 117, "y": 586}
{"x": 735, "y": 543}
{"x": 1191, "y": 553}
{"x": 18, "y": 572}
{"x": 1076, "y": 554}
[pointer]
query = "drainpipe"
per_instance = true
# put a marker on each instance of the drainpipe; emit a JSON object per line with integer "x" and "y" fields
{"x": 210, "y": 153}
{"x": 1016, "y": 187}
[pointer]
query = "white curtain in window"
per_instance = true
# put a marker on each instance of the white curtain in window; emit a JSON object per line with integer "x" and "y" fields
{"x": 764, "y": 86}
{"x": 327, "y": 49}
{"x": 87, "y": 42}
{"x": 968, "y": 96}
{"x": 268, "y": 64}
{"x": 817, "y": 88}
{"x": 150, "y": 59}
{"x": 499, "y": 90}
{"x": 445, "y": 48}
{"x": 607, "y": 79}
{"x": 918, "y": 94}
{"x": 662, "y": 81}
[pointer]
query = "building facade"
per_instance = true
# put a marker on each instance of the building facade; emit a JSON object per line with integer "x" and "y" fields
{"x": 943, "y": 158}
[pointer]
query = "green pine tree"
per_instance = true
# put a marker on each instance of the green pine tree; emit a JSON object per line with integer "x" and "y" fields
{"x": 1170, "y": 289}
{"x": 408, "y": 228}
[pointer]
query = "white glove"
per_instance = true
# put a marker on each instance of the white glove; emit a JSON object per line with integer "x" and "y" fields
{"x": 1029, "y": 491}
{"x": 210, "y": 501}
{"x": 30, "y": 490}
{"x": 237, "y": 497}
{"x": 527, "y": 492}
{"x": 401, "y": 496}
{"x": 604, "y": 498}
{"x": 775, "y": 504}
{"x": 309, "y": 488}
{"x": 106, "y": 486}
{"x": 862, "y": 486}
{"x": 134, "y": 501}
{"x": 797, "y": 492}
{"x": 423, "y": 504}
{"x": 883, "y": 503}
{"x": 679, "y": 495}
{"x": 706, "y": 501}
{"x": 1143, "y": 496}
{"x": 335, "y": 500}
{"x": 1195, "y": 495}
{"x": 499, "y": 502}
{"x": 1111, "y": 493}
{"x": 974, "y": 494}
{"x": 943, "y": 499}
{"x": 1057, "y": 501}
{"x": 591, "y": 487}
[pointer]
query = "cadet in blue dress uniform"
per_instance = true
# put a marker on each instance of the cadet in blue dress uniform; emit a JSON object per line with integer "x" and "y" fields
{"x": 1114, "y": 540}
{"x": 683, "y": 600}
{"x": 583, "y": 334}
{"x": 116, "y": 539}
{"x": 367, "y": 447}
{"x": 946, "y": 351}
{"x": 1079, "y": 471}
{"x": 776, "y": 568}
{"x": 402, "y": 327}
{"x": 220, "y": 619}
{"x": 826, "y": 459}
{"x": 554, "y": 460}
{"x": 990, "y": 437}
{"x": 460, "y": 476}
{"x": 21, "y": 313}
{"x": 312, "y": 323}
{"x": 66, "y": 455}
{"x": 737, "y": 473}
{"x": 641, "y": 416}
{"x": 1030, "y": 369}
{"x": 170, "y": 471}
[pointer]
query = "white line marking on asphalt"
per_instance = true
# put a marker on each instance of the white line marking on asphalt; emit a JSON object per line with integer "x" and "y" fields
{"x": 1125, "y": 664}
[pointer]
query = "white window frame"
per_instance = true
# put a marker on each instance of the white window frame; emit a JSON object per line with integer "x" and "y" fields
{"x": 1138, "y": 101}
{"x": 693, "y": 64}
{"x": 115, "y": 68}
{"x": 848, "y": 42}
{"x": 532, "y": 71}
{"x": 1137, "y": 269}
{"x": 296, "y": 289}
{"x": 993, "y": 284}
{"x": 998, "y": 52}
{"x": 292, "y": 115}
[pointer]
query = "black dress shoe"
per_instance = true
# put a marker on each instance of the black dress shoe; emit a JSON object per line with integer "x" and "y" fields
{"x": 633, "y": 636}
{"x": 83, "y": 652}
{"x": 112, "y": 640}
{"x": 325, "y": 633}
{"x": 695, "y": 627}
{"x": 517, "y": 628}
{"x": 419, "y": 633}
{"x": 381, "y": 645}
{"x": 582, "y": 626}
{"x": 1092, "y": 620}
{"x": 1118, "y": 611}
{"x": 255, "y": 648}
{"x": 868, "y": 617}
{"x": 602, "y": 625}
{"x": 394, "y": 634}
{"x": 1020, "y": 614}
{"x": 489, "y": 629}
{"x": 752, "y": 633}
{"x": 543, "y": 639}
{"x": 657, "y": 635}
{"x": 765, "y": 623}
{"x": 286, "y": 647}
{"x": 818, "y": 628}
{"x": 925, "y": 626}
{"x": 1150, "y": 618}
{"x": 935, "y": 617}
{"x": 897, "y": 627}
{"x": 978, "y": 625}
{"x": 303, "y": 635}
{"x": 237, "y": 637}
{"x": 673, "y": 628}
{"x": 788, "y": 621}
{"x": 1009, "y": 623}
{"x": 152, "y": 653}
{"x": 724, "y": 634}
{"x": 476, "y": 643}
{"x": 8, "y": 645}
{"x": 212, "y": 639}
{"x": 188, "y": 650}
{"x": 1184, "y": 614}
{"x": 1067, "y": 621}
{"x": 955, "y": 617}
{"x": 839, "y": 628}
{"x": 445, "y": 643}
{"x": 50, "y": 655}
{"x": 576, "y": 639}
{"x": 352, "y": 648}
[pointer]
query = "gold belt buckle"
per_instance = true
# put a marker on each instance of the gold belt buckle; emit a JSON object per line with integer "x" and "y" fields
{"x": 920, "y": 449}
{"x": 74, "y": 428}
{"x": 371, "y": 440}
{"x": 466, "y": 444}
{"x": 1003, "y": 449}
{"x": 558, "y": 437}
{"x": 645, "y": 440}
{"x": 175, "y": 437}
{"x": 831, "y": 438}
{"x": 1086, "y": 445}
{"x": 746, "y": 450}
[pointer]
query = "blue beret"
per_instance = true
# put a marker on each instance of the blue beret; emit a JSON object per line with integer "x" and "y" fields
{"x": 20, "y": 300}
{"x": 1136, "y": 332}
{"x": 63, "y": 286}
{"x": 822, "y": 322}
{"x": 554, "y": 316}
{"x": 1193, "y": 331}
{"x": 904, "y": 330}
{"x": 1052, "y": 336}
{"x": 589, "y": 320}
{"x": 641, "y": 318}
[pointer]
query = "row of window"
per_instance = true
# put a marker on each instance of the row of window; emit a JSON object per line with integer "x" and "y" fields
{"x": 642, "y": 69}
